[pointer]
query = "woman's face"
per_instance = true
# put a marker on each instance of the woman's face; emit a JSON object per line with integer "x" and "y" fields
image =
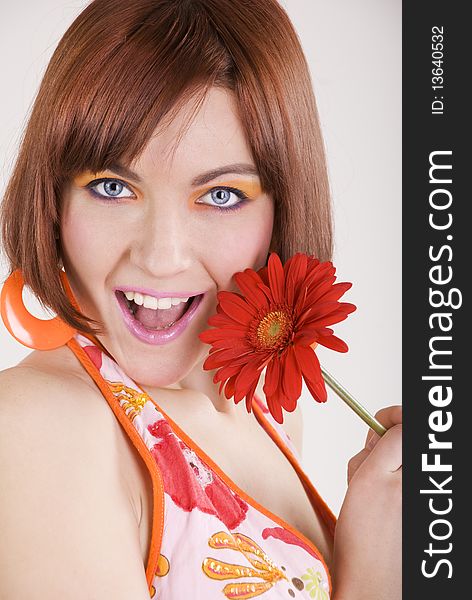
{"x": 180, "y": 225}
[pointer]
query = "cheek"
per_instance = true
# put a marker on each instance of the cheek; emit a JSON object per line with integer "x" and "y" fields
{"x": 237, "y": 248}
{"x": 88, "y": 249}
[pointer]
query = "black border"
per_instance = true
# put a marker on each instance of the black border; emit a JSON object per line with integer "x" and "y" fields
{"x": 424, "y": 133}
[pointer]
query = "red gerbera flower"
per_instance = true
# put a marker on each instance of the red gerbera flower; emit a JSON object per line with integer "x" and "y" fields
{"x": 282, "y": 313}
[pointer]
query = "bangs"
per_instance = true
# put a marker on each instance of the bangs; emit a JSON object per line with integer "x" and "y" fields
{"x": 122, "y": 71}
{"x": 130, "y": 81}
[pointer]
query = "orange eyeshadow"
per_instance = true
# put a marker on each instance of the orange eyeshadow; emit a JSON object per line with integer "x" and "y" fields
{"x": 250, "y": 188}
{"x": 87, "y": 176}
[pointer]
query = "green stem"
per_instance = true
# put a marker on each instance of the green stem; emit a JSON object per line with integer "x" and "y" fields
{"x": 364, "y": 414}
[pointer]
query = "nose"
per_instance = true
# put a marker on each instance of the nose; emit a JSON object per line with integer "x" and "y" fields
{"x": 161, "y": 245}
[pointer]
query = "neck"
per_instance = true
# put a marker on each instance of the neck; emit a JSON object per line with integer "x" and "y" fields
{"x": 202, "y": 381}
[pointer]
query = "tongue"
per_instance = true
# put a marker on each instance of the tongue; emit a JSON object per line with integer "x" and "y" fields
{"x": 160, "y": 318}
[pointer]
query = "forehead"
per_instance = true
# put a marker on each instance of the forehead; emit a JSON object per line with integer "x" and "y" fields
{"x": 198, "y": 136}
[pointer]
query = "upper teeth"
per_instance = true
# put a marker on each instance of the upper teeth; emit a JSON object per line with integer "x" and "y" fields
{"x": 152, "y": 302}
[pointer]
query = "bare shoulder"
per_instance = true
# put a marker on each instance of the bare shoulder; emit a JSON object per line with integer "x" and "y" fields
{"x": 47, "y": 388}
{"x": 65, "y": 512}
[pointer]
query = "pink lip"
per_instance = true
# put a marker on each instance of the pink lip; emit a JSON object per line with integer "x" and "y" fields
{"x": 149, "y": 292}
{"x": 159, "y": 336}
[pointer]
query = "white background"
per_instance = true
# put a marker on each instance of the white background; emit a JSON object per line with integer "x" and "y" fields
{"x": 354, "y": 52}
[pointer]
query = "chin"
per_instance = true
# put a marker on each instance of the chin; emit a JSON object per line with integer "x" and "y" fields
{"x": 164, "y": 369}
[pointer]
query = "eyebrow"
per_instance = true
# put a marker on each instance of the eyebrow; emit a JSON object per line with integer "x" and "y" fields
{"x": 238, "y": 168}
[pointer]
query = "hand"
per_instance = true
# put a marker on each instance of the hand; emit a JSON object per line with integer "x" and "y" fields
{"x": 367, "y": 542}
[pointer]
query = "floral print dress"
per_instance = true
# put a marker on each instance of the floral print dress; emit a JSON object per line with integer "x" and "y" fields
{"x": 209, "y": 538}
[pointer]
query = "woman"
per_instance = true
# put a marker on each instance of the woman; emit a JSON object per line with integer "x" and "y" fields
{"x": 170, "y": 146}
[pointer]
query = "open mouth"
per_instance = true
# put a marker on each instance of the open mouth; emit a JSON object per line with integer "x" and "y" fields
{"x": 152, "y": 317}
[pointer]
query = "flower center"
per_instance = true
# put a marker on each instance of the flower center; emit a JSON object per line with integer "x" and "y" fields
{"x": 273, "y": 330}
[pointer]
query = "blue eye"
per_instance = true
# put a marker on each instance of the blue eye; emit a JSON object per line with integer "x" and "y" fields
{"x": 112, "y": 188}
{"x": 226, "y": 198}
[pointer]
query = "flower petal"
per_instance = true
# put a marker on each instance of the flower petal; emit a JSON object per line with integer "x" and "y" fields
{"x": 334, "y": 317}
{"x": 250, "y": 395}
{"x": 307, "y": 288}
{"x": 295, "y": 272}
{"x": 249, "y": 373}
{"x": 273, "y": 404}
{"x": 348, "y": 307}
{"x": 305, "y": 337}
{"x": 247, "y": 283}
{"x": 337, "y": 290}
{"x": 317, "y": 389}
{"x": 333, "y": 342}
{"x": 235, "y": 307}
{"x": 320, "y": 273}
{"x": 292, "y": 376}
{"x": 267, "y": 291}
{"x": 263, "y": 275}
{"x": 211, "y": 335}
{"x": 276, "y": 277}
{"x": 325, "y": 272}
{"x": 315, "y": 293}
{"x": 317, "y": 311}
{"x": 222, "y": 320}
{"x": 271, "y": 382}
{"x": 225, "y": 372}
{"x": 311, "y": 370}
{"x": 287, "y": 403}
{"x": 226, "y": 356}
{"x": 235, "y": 341}
{"x": 229, "y": 387}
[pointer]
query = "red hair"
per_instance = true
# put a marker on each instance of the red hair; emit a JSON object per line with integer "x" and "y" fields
{"x": 126, "y": 66}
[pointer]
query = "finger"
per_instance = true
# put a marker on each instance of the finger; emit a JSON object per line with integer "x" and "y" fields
{"x": 388, "y": 416}
{"x": 354, "y": 463}
{"x": 387, "y": 453}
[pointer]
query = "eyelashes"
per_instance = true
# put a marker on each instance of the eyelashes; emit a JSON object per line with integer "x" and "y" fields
{"x": 222, "y": 202}
{"x": 113, "y": 190}
{"x": 114, "y": 187}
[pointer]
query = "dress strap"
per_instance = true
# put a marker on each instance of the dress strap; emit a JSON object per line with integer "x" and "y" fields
{"x": 316, "y": 500}
{"x": 156, "y": 477}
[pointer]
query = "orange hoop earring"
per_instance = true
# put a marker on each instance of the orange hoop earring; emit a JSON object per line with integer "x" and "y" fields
{"x": 30, "y": 331}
